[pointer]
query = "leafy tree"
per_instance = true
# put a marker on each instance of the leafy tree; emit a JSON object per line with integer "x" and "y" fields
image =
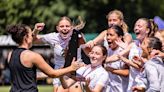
{"x": 93, "y": 11}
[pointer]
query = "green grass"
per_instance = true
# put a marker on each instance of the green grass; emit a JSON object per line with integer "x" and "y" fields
{"x": 42, "y": 88}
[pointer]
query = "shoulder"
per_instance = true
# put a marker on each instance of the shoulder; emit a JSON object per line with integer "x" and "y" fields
{"x": 83, "y": 68}
{"x": 53, "y": 33}
{"x": 131, "y": 44}
{"x": 50, "y": 38}
{"x": 156, "y": 62}
{"x": 105, "y": 31}
{"x": 149, "y": 65}
{"x": 127, "y": 36}
{"x": 30, "y": 54}
{"x": 102, "y": 71}
{"x": 25, "y": 55}
{"x": 103, "y": 75}
{"x": 50, "y": 35}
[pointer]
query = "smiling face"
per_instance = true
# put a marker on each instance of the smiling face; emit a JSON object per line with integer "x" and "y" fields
{"x": 97, "y": 55}
{"x": 141, "y": 30}
{"x": 64, "y": 28}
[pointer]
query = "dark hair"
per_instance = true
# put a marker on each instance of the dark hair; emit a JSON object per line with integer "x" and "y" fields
{"x": 117, "y": 29}
{"x": 103, "y": 48}
{"x": 155, "y": 43}
{"x": 17, "y": 32}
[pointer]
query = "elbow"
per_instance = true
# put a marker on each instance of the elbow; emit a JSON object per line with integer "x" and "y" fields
{"x": 53, "y": 75}
{"x": 126, "y": 73}
{"x": 64, "y": 87}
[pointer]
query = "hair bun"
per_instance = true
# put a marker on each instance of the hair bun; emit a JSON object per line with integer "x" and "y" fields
{"x": 12, "y": 29}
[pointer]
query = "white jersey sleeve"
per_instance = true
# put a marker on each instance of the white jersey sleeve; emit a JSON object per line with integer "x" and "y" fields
{"x": 50, "y": 38}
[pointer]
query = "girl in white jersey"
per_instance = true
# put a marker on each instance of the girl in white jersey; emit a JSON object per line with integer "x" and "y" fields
{"x": 90, "y": 78}
{"x": 114, "y": 17}
{"x": 143, "y": 29}
{"x": 153, "y": 75}
{"x": 58, "y": 42}
{"x": 118, "y": 70}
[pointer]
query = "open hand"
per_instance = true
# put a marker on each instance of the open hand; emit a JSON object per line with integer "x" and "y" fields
{"x": 121, "y": 44}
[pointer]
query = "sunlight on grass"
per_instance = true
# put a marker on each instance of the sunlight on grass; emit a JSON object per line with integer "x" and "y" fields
{"x": 42, "y": 88}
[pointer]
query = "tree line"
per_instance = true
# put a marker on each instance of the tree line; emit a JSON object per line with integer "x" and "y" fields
{"x": 92, "y": 11}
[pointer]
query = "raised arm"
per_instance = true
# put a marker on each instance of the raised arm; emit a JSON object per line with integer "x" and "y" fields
{"x": 128, "y": 38}
{"x": 38, "y": 27}
{"x": 99, "y": 39}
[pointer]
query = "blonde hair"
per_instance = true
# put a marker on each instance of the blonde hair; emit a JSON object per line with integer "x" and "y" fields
{"x": 64, "y": 18}
{"x": 121, "y": 17}
{"x": 78, "y": 26}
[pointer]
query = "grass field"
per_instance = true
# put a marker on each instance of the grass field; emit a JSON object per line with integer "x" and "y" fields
{"x": 42, "y": 88}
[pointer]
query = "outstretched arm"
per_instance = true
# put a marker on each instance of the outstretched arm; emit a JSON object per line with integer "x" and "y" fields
{"x": 128, "y": 62}
{"x": 98, "y": 40}
{"x": 121, "y": 72}
{"x": 44, "y": 67}
{"x": 128, "y": 38}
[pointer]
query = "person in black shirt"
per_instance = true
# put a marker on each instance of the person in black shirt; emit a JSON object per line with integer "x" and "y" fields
{"x": 23, "y": 62}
